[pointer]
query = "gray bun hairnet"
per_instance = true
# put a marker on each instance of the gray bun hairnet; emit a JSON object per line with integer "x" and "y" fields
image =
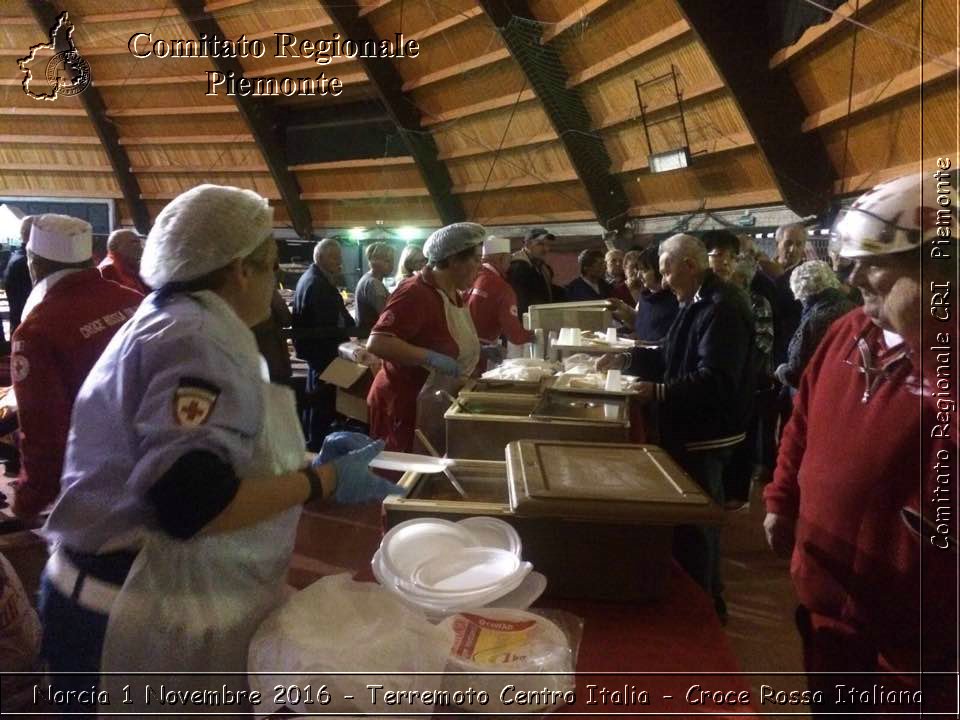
{"x": 203, "y": 230}
{"x": 452, "y": 239}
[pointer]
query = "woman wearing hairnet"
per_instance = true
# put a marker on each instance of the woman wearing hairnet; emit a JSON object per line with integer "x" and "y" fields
{"x": 425, "y": 327}
{"x": 185, "y": 470}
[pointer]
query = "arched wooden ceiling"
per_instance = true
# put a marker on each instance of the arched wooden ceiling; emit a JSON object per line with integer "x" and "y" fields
{"x": 516, "y": 111}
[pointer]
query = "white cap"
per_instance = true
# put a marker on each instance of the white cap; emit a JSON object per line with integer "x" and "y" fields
{"x": 494, "y": 245}
{"x": 893, "y": 217}
{"x": 61, "y": 238}
{"x": 203, "y": 230}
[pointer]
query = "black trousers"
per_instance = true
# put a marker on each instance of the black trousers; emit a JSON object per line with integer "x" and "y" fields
{"x": 320, "y": 409}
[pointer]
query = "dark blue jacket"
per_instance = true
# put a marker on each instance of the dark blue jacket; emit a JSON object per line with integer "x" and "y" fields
{"x": 655, "y": 314}
{"x": 706, "y": 387}
{"x": 578, "y": 290}
{"x": 320, "y": 319}
{"x": 16, "y": 281}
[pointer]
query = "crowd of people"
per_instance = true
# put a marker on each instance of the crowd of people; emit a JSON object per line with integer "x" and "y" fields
{"x": 162, "y": 433}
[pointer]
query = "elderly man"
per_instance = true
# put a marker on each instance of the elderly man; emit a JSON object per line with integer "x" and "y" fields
{"x": 371, "y": 294}
{"x": 791, "y": 252}
{"x": 591, "y": 285}
{"x": 491, "y": 300}
{"x": 705, "y": 389}
{"x": 69, "y": 318}
{"x": 529, "y": 273}
{"x": 858, "y": 570}
{"x": 320, "y": 323}
{"x": 122, "y": 263}
{"x": 16, "y": 279}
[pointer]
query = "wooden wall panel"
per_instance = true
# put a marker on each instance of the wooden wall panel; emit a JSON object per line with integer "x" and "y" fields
{"x": 537, "y": 203}
{"x": 893, "y": 137}
{"x": 730, "y": 173}
{"x": 399, "y": 211}
{"x": 615, "y": 26}
{"x": 131, "y": 70}
{"x": 463, "y": 42}
{"x": 413, "y": 16}
{"x": 276, "y": 15}
{"x": 172, "y": 126}
{"x": 487, "y": 129}
{"x": 616, "y": 91}
{"x": 75, "y": 156}
{"x": 151, "y": 184}
{"x": 822, "y": 76}
{"x": 372, "y": 179}
{"x": 44, "y": 183}
{"x": 543, "y": 161}
{"x": 53, "y": 126}
{"x": 710, "y": 121}
{"x": 497, "y": 81}
{"x": 191, "y": 94}
{"x": 90, "y": 37}
{"x": 196, "y": 155}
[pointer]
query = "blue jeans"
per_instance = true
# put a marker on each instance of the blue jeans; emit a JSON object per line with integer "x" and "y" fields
{"x": 697, "y": 547}
{"x": 72, "y": 642}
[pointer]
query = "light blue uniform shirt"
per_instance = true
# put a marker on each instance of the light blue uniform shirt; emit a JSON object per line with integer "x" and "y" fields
{"x": 183, "y": 376}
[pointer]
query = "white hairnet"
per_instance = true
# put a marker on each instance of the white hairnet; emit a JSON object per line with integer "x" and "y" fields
{"x": 61, "y": 238}
{"x": 452, "y": 239}
{"x": 202, "y": 230}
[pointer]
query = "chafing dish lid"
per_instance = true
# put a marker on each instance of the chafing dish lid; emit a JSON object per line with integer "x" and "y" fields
{"x": 624, "y": 483}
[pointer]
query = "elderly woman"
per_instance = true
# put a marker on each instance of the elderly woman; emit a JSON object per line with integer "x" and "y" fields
{"x": 371, "y": 292}
{"x": 816, "y": 286}
{"x": 425, "y": 328}
{"x": 185, "y": 470}
{"x": 412, "y": 261}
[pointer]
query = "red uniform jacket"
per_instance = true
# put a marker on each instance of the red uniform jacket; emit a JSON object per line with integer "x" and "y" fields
{"x": 493, "y": 307}
{"x": 53, "y": 350}
{"x": 844, "y": 471}
{"x": 113, "y": 268}
{"x": 414, "y": 313}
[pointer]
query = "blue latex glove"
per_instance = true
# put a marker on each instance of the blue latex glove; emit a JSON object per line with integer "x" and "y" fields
{"x": 355, "y": 483}
{"x": 443, "y": 364}
{"x": 340, "y": 443}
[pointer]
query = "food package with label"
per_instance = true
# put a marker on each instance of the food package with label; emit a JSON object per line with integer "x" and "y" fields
{"x": 522, "y": 369}
{"x": 541, "y": 651}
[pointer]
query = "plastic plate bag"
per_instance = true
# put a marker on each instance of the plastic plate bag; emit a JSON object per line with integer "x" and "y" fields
{"x": 340, "y": 626}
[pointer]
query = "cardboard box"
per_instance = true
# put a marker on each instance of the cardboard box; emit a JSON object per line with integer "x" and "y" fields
{"x": 353, "y": 381}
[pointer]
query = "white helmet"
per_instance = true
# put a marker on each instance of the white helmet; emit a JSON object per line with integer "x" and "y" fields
{"x": 898, "y": 215}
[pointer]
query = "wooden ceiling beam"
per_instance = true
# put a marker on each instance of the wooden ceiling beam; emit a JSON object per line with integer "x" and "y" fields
{"x": 449, "y": 23}
{"x": 259, "y": 118}
{"x": 768, "y": 100}
{"x": 480, "y": 61}
{"x": 49, "y": 192}
{"x": 371, "y": 194}
{"x": 659, "y": 39}
{"x": 539, "y": 218}
{"x": 864, "y": 181}
{"x": 372, "y": 6}
{"x": 354, "y": 164}
{"x": 483, "y": 106}
{"x": 475, "y": 150}
{"x": 49, "y": 140}
{"x": 57, "y": 167}
{"x": 750, "y": 199}
{"x": 198, "y": 169}
{"x": 517, "y": 182}
{"x": 225, "y": 139}
{"x": 577, "y": 16}
{"x": 46, "y": 13}
{"x": 819, "y": 33}
{"x": 43, "y": 110}
{"x": 167, "y": 111}
{"x": 901, "y": 84}
{"x": 564, "y": 107}
{"x": 388, "y": 84}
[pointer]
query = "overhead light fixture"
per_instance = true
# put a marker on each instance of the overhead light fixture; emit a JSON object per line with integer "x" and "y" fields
{"x": 357, "y": 233}
{"x": 408, "y": 232}
{"x": 669, "y": 160}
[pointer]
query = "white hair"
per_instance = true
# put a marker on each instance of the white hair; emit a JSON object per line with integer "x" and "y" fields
{"x": 812, "y": 277}
{"x": 115, "y": 241}
{"x": 686, "y": 246}
{"x": 320, "y": 249}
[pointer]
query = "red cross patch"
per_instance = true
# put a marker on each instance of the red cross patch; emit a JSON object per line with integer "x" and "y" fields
{"x": 193, "y": 402}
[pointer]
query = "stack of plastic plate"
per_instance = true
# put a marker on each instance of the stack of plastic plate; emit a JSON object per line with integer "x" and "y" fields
{"x": 443, "y": 567}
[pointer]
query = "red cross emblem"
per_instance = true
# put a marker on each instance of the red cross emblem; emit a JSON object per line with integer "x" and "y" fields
{"x": 192, "y": 406}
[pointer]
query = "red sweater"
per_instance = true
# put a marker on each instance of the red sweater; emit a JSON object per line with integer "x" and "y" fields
{"x": 493, "y": 307}
{"x": 54, "y": 349}
{"x": 844, "y": 471}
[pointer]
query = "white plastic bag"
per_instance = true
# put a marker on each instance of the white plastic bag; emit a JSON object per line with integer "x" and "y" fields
{"x": 337, "y": 625}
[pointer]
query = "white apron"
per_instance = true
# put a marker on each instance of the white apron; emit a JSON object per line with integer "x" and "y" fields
{"x": 464, "y": 333}
{"x": 194, "y": 605}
